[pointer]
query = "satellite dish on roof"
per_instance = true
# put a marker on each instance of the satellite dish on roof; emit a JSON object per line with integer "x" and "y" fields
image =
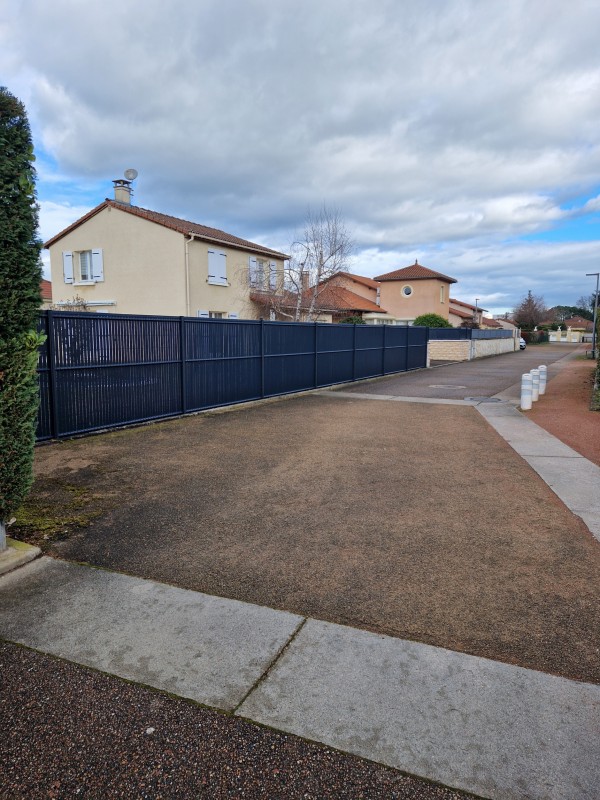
{"x": 131, "y": 174}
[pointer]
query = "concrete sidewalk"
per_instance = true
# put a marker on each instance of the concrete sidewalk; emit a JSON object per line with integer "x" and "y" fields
{"x": 493, "y": 729}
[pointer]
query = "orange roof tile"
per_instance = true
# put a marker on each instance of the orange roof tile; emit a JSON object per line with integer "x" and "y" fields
{"x": 466, "y": 305}
{"x": 175, "y": 224}
{"x": 462, "y": 314}
{"x": 336, "y": 298}
{"x": 46, "y": 289}
{"x": 416, "y": 272}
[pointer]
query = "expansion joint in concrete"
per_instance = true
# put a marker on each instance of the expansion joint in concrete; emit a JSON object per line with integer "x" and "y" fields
{"x": 272, "y": 665}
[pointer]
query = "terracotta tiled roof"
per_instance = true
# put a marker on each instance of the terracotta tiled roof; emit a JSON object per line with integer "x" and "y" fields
{"x": 46, "y": 289}
{"x": 175, "y": 224}
{"x": 466, "y": 305}
{"x": 416, "y": 272}
{"x": 578, "y": 322}
{"x": 337, "y": 298}
{"x": 462, "y": 314}
{"x": 490, "y": 323}
{"x": 330, "y": 298}
{"x": 372, "y": 284}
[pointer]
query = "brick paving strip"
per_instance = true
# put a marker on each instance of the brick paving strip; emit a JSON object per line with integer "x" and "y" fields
{"x": 481, "y": 726}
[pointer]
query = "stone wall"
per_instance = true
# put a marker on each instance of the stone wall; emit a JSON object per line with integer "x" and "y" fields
{"x": 467, "y": 350}
{"x": 492, "y": 347}
{"x": 446, "y": 350}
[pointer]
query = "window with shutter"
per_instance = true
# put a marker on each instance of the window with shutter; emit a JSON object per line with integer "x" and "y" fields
{"x": 217, "y": 268}
{"x": 272, "y": 275}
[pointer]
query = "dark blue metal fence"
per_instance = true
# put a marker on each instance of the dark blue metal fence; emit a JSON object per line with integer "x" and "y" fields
{"x": 102, "y": 371}
{"x": 456, "y": 334}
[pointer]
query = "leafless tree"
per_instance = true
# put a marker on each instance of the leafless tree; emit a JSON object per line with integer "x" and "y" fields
{"x": 322, "y": 248}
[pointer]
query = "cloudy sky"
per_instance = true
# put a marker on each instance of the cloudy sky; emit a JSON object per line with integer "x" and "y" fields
{"x": 463, "y": 133}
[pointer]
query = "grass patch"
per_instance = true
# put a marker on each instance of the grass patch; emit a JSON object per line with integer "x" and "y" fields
{"x": 53, "y": 513}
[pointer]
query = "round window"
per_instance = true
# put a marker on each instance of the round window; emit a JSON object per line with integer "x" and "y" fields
{"x": 407, "y": 291}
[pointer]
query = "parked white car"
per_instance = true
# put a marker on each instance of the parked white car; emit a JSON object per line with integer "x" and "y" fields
{"x": 522, "y": 343}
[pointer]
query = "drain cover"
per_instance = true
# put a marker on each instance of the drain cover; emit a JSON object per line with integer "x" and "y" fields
{"x": 485, "y": 399}
{"x": 445, "y": 386}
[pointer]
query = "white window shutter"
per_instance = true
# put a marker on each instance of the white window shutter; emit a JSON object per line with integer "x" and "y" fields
{"x": 68, "y": 266}
{"x": 233, "y": 316}
{"x": 217, "y": 267}
{"x": 252, "y": 270}
{"x": 97, "y": 265}
{"x": 272, "y": 275}
{"x": 202, "y": 313}
{"x": 222, "y": 267}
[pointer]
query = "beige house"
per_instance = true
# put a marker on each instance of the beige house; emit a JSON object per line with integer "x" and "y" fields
{"x": 124, "y": 259}
{"x": 464, "y": 314}
{"x": 407, "y": 293}
{"x": 396, "y": 298}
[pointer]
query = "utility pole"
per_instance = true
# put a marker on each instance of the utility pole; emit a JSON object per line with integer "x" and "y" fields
{"x": 594, "y": 334}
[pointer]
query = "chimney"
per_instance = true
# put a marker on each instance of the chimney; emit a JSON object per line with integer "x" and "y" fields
{"x": 305, "y": 278}
{"x": 123, "y": 191}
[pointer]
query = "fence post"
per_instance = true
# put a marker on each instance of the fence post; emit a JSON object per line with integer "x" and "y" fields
{"x": 182, "y": 356}
{"x": 316, "y": 376}
{"x": 262, "y": 357}
{"x": 52, "y": 385}
{"x": 354, "y": 353}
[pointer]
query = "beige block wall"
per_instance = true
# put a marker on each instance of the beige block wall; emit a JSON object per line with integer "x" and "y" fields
{"x": 143, "y": 265}
{"x": 493, "y": 347}
{"x": 425, "y": 298}
{"x": 444, "y": 350}
{"x": 467, "y": 350}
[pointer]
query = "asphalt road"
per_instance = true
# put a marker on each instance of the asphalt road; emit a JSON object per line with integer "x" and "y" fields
{"x": 484, "y": 377}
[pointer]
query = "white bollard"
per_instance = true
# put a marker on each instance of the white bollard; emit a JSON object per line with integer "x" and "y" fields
{"x": 543, "y": 378}
{"x": 535, "y": 384}
{"x": 526, "y": 392}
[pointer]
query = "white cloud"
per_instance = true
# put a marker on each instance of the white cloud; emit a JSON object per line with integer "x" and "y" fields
{"x": 441, "y": 129}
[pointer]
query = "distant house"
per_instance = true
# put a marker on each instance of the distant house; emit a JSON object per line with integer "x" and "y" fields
{"x": 488, "y": 323}
{"x": 396, "y": 298}
{"x": 572, "y": 331}
{"x": 407, "y": 293}
{"x": 46, "y": 293}
{"x": 464, "y": 315}
{"x": 130, "y": 260}
{"x": 506, "y": 323}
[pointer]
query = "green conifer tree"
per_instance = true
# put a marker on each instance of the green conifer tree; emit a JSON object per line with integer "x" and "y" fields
{"x": 20, "y": 273}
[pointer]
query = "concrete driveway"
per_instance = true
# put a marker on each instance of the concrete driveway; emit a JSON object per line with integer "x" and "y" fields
{"x": 413, "y": 520}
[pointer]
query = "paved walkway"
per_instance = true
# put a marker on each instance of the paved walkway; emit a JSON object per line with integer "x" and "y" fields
{"x": 482, "y": 726}
{"x": 490, "y": 728}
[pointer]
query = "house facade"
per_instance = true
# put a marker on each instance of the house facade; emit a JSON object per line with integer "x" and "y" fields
{"x": 396, "y": 298}
{"x": 124, "y": 259}
{"x": 407, "y": 293}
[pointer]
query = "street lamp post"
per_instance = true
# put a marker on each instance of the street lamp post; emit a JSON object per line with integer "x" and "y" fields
{"x": 589, "y": 275}
{"x": 476, "y": 311}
